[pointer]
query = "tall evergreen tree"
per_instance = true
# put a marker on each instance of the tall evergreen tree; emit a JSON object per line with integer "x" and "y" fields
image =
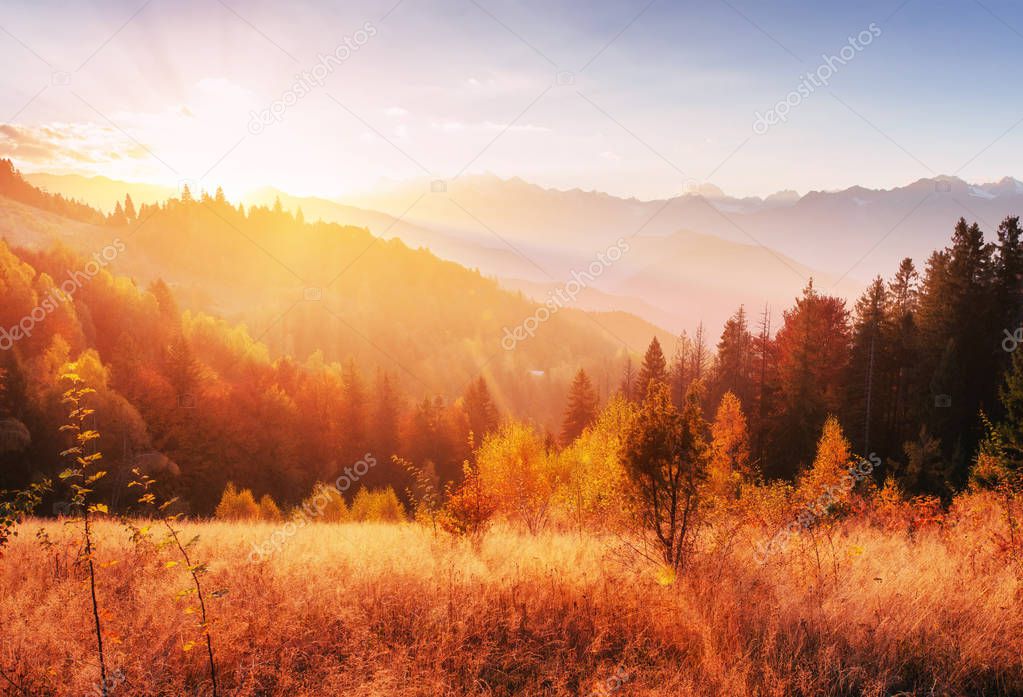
{"x": 654, "y": 368}
{"x": 902, "y": 350}
{"x": 480, "y": 409}
{"x": 959, "y": 335}
{"x": 866, "y": 382}
{"x": 812, "y": 346}
{"x": 353, "y": 415}
{"x": 582, "y": 407}
{"x": 129, "y": 209}
{"x": 733, "y": 366}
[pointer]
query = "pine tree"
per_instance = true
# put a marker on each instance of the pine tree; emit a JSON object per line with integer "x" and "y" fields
{"x": 763, "y": 377}
{"x": 117, "y": 217}
{"x": 353, "y": 414}
{"x": 866, "y": 382}
{"x": 480, "y": 409}
{"x": 903, "y": 297}
{"x": 734, "y": 364}
{"x": 654, "y": 368}
{"x": 959, "y": 343}
{"x": 665, "y": 456}
{"x": 1011, "y": 396}
{"x": 627, "y": 387}
{"x": 812, "y": 349}
{"x": 129, "y": 209}
{"x": 385, "y": 417}
{"x": 581, "y": 410}
{"x": 679, "y": 374}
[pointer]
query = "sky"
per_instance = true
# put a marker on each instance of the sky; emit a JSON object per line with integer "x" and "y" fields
{"x": 635, "y": 98}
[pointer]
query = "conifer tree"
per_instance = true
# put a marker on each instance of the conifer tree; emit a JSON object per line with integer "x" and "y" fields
{"x": 480, "y": 409}
{"x": 665, "y": 456}
{"x": 654, "y": 368}
{"x": 582, "y": 408}
{"x": 129, "y": 209}
{"x": 734, "y": 363}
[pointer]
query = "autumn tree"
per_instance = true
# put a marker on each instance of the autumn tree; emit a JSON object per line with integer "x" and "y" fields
{"x": 519, "y": 474}
{"x": 729, "y": 462}
{"x": 812, "y": 349}
{"x": 823, "y": 484}
{"x": 593, "y": 482}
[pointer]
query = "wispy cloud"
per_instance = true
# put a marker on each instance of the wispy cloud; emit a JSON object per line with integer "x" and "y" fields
{"x": 71, "y": 145}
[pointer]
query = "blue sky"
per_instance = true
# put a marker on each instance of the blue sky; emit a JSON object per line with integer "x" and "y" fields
{"x": 654, "y": 95}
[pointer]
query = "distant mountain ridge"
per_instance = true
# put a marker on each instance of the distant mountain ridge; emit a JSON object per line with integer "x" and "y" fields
{"x": 695, "y": 256}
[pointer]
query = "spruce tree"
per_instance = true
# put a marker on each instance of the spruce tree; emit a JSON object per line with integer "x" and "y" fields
{"x": 480, "y": 409}
{"x": 582, "y": 408}
{"x": 654, "y": 368}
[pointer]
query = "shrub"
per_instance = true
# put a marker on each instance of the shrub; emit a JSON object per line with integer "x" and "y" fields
{"x": 268, "y": 509}
{"x": 326, "y": 504}
{"x": 237, "y": 505}
{"x": 377, "y": 506}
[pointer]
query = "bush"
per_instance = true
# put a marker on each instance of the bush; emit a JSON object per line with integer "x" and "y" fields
{"x": 326, "y": 504}
{"x": 237, "y": 505}
{"x": 268, "y": 509}
{"x": 377, "y": 506}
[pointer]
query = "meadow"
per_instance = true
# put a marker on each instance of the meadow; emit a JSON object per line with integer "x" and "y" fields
{"x": 885, "y": 602}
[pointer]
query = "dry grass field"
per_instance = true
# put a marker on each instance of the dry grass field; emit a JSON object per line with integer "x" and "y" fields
{"x": 392, "y": 609}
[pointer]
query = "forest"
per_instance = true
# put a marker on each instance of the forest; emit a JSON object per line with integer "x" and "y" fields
{"x": 800, "y": 459}
{"x": 915, "y": 372}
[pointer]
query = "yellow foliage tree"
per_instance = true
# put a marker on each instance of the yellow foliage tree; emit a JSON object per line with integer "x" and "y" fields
{"x": 268, "y": 509}
{"x": 828, "y": 482}
{"x": 380, "y": 506}
{"x": 326, "y": 504}
{"x": 593, "y": 479}
{"x": 729, "y": 462}
{"x": 519, "y": 474}
{"x": 237, "y": 505}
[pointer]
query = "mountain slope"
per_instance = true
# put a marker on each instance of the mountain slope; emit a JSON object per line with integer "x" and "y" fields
{"x": 307, "y": 288}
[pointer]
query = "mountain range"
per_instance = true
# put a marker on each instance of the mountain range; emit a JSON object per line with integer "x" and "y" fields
{"x": 692, "y": 258}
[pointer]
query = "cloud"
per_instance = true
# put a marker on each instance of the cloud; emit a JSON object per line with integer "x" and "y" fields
{"x": 492, "y": 126}
{"x": 71, "y": 145}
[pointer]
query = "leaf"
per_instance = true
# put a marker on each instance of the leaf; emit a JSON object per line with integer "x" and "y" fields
{"x": 170, "y": 564}
{"x": 188, "y": 646}
{"x": 99, "y": 508}
{"x": 96, "y": 477}
{"x": 67, "y": 473}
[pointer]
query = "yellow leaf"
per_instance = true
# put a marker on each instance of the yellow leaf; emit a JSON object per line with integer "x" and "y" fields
{"x": 170, "y": 564}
